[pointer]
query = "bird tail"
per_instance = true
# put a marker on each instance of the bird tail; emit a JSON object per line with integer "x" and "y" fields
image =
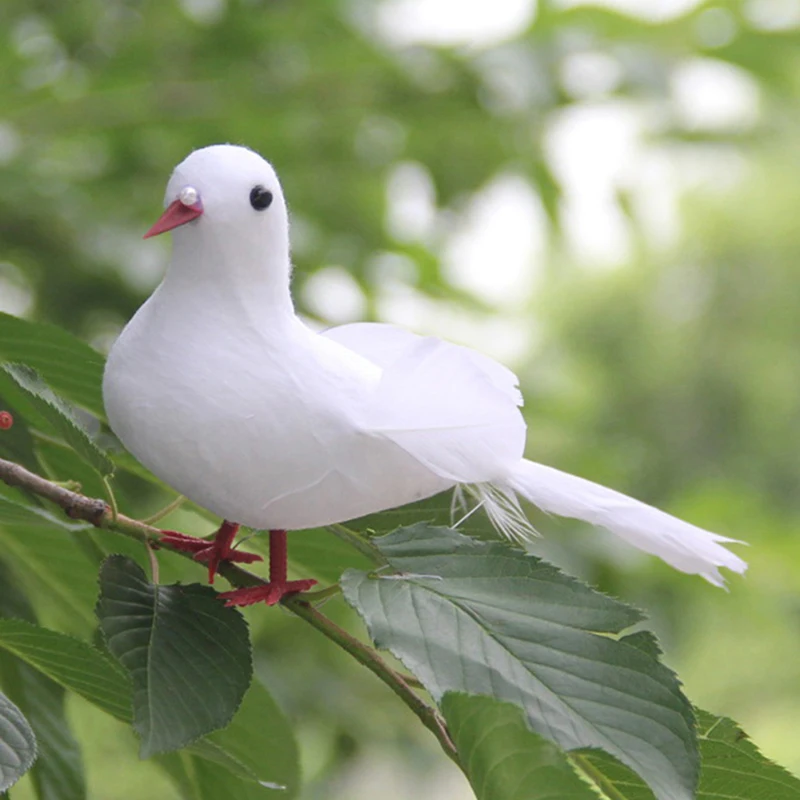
{"x": 681, "y": 544}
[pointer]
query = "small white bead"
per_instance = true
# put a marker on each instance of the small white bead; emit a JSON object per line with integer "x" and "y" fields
{"x": 188, "y": 195}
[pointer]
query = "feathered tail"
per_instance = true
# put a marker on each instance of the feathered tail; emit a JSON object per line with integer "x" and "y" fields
{"x": 682, "y": 545}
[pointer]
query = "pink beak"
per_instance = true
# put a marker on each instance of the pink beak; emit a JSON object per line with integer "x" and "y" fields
{"x": 176, "y": 214}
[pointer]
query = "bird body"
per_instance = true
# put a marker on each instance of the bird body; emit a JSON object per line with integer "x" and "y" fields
{"x": 222, "y": 391}
{"x": 275, "y": 442}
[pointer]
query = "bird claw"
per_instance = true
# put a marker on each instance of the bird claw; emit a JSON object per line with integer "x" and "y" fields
{"x": 269, "y": 593}
{"x": 212, "y": 552}
{"x": 184, "y": 543}
{"x": 236, "y": 556}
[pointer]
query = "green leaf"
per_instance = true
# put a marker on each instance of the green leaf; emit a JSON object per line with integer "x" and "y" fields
{"x": 73, "y": 664}
{"x": 732, "y": 768}
{"x": 258, "y": 745}
{"x": 217, "y": 783}
{"x": 503, "y": 758}
{"x": 59, "y": 415}
{"x": 254, "y": 757}
{"x": 188, "y": 655}
{"x": 61, "y": 463}
{"x": 25, "y": 411}
{"x": 17, "y": 744}
{"x": 14, "y": 603}
{"x": 485, "y": 618}
{"x": 200, "y": 779}
{"x": 58, "y": 772}
{"x": 434, "y": 511}
{"x": 69, "y": 365}
{"x": 45, "y": 551}
{"x": 614, "y": 779}
{"x": 16, "y": 443}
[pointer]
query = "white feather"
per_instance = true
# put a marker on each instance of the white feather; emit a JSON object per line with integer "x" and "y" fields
{"x": 438, "y": 404}
{"x": 682, "y": 545}
{"x": 383, "y": 344}
{"x": 503, "y": 508}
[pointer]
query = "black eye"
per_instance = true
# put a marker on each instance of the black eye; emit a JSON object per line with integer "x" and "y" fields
{"x": 260, "y": 198}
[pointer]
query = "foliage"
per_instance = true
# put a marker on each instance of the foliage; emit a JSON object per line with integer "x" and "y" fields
{"x": 18, "y": 741}
{"x": 469, "y": 619}
{"x": 170, "y": 638}
{"x": 669, "y": 372}
{"x": 510, "y": 626}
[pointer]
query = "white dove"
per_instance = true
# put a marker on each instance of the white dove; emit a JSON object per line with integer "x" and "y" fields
{"x": 223, "y": 392}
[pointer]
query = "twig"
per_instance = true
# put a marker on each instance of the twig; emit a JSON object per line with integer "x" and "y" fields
{"x": 151, "y": 555}
{"x": 168, "y": 509}
{"x": 75, "y": 505}
{"x": 429, "y": 717}
{"x": 99, "y": 514}
{"x": 358, "y": 541}
{"x": 112, "y": 500}
{"x": 315, "y": 598}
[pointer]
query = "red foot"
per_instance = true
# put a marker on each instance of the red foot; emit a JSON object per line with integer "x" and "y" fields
{"x": 270, "y": 593}
{"x": 212, "y": 552}
{"x": 278, "y": 587}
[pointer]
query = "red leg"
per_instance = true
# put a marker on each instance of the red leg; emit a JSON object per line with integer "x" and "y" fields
{"x": 278, "y": 587}
{"x": 213, "y": 552}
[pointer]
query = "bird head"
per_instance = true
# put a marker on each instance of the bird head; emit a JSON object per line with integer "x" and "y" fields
{"x": 225, "y": 208}
{"x": 225, "y": 190}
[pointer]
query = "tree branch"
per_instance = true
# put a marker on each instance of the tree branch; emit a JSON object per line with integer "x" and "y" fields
{"x": 76, "y": 505}
{"x": 98, "y": 513}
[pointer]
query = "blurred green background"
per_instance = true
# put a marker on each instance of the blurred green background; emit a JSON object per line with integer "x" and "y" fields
{"x": 603, "y": 196}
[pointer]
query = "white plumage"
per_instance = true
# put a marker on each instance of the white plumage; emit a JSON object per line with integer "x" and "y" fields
{"x": 218, "y": 388}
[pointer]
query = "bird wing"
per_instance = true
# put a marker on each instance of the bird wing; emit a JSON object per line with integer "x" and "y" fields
{"x": 379, "y": 343}
{"x": 383, "y": 344}
{"x": 451, "y": 408}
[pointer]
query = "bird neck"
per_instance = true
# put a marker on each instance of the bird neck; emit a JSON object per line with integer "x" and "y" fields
{"x": 231, "y": 273}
